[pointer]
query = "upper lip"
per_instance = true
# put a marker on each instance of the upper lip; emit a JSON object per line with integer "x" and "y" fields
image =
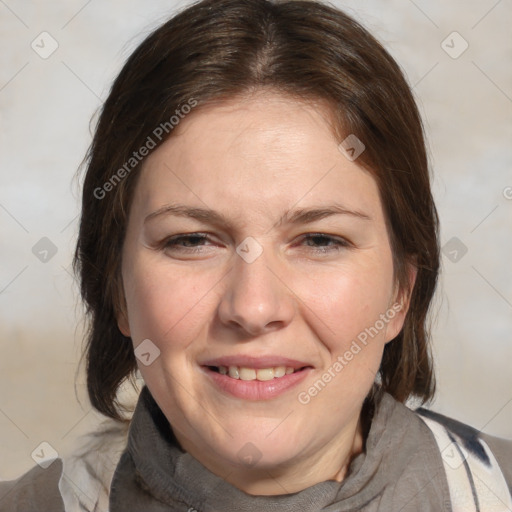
{"x": 255, "y": 362}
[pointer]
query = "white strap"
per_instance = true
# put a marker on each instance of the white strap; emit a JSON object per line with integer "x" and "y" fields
{"x": 474, "y": 486}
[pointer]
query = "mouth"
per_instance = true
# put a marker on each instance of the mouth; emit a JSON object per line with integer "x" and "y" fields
{"x": 261, "y": 374}
{"x": 258, "y": 379}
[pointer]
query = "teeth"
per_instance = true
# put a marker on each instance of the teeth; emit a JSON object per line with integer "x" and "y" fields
{"x": 265, "y": 373}
{"x": 262, "y": 374}
{"x": 280, "y": 371}
{"x": 246, "y": 373}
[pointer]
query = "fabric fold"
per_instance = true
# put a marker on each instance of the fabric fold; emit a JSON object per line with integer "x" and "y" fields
{"x": 157, "y": 474}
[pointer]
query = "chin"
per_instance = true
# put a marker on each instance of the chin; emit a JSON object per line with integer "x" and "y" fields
{"x": 253, "y": 448}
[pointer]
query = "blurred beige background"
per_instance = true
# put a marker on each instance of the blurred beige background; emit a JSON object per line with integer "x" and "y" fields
{"x": 463, "y": 82}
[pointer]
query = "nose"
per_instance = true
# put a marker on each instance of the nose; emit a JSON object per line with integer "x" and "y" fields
{"x": 256, "y": 299}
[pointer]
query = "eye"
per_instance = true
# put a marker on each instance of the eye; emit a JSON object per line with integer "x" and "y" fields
{"x": 191, "y": 242}
{"x": 323, "y": 243}
{"x": 194, "y": 243}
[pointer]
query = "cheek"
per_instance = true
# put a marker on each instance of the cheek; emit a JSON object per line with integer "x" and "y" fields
{"x": 343, "y": 304}
{"x": 344, "y": 312}
{"x": 164, "y": 303}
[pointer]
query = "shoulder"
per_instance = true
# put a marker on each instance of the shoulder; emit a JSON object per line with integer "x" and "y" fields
{"x": 472, "y": 440}
{"x": 88, "y": 471}
{"x": 36, "y": 490}
{"x": 79, "y": 482}
{"x": 477, "y": 464}
{"x": 502, "y": 449}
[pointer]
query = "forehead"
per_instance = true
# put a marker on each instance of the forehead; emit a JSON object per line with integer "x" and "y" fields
{"x": 257, "y": 154}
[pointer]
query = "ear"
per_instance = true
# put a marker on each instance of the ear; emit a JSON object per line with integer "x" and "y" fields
{"x": 122, "y": 323}
{"x": 399, "y": 305}
{"x": 121, "y": 310}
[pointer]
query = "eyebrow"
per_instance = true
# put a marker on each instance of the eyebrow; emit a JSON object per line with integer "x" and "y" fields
{"x": 296, "y": 216}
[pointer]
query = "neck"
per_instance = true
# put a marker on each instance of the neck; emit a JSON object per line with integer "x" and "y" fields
{"x": 331, "y": 462}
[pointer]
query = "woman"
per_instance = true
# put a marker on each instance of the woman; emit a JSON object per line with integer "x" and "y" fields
{"x": 258, "y": 238}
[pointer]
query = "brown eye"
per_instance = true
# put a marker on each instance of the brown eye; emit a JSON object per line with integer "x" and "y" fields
{"x": 324, "y": 243}
{"x": 189, "y": 241}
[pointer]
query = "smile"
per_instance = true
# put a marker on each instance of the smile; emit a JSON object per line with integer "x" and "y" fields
{"x": 261, "y": 374}
{"x": 255, "y": 379}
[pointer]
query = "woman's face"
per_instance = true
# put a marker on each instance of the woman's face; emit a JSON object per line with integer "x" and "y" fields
{"x": 256, "y": 248}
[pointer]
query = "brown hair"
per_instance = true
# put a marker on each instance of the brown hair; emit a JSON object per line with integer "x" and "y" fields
{"x": 217, "y": 49}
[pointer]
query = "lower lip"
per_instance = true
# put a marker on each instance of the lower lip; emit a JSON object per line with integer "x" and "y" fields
{"x": 256, "y": 389}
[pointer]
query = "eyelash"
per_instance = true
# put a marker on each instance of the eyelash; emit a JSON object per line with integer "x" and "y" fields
{"x": 339, "y": 243}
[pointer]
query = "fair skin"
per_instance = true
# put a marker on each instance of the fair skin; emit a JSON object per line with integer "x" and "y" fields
{"x": 304, "y": 299}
